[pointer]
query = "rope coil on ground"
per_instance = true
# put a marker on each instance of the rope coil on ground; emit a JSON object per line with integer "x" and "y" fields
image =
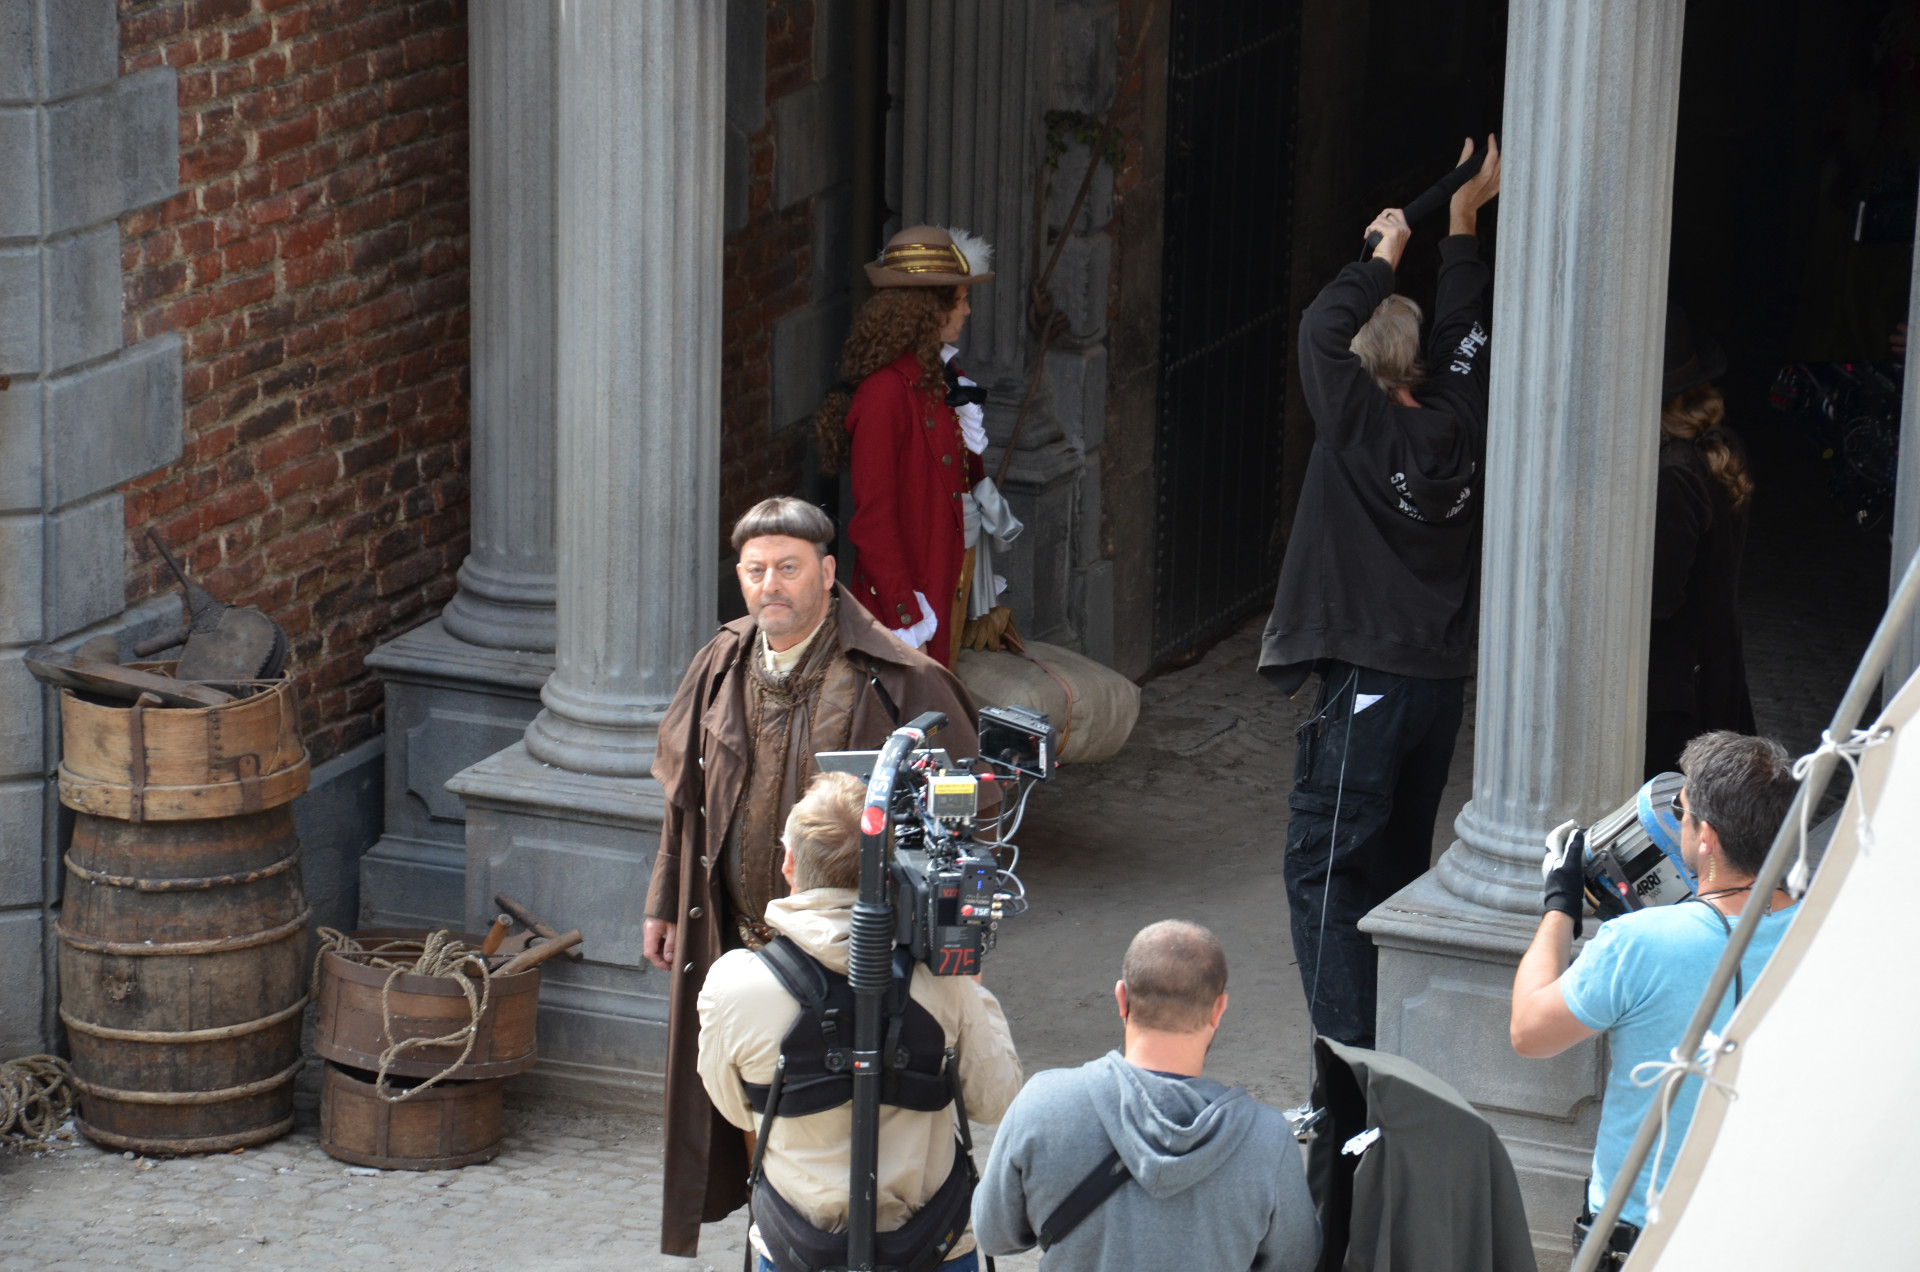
{"x": 36, "y": 1098}
{"x": 439, "y": 955}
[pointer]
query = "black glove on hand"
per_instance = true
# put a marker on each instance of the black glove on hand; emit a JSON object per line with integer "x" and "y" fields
{"x": 1564, "y": 869}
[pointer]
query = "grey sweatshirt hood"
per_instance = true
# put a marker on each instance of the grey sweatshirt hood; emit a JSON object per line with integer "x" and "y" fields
{"x": 1172, "y": 1133}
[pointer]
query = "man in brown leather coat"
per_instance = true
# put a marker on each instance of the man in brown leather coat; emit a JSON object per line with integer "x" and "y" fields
{"x": 807, "y": 670}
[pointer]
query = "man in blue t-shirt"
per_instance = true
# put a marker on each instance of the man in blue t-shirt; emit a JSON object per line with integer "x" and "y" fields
{"x": 1641, "y": 977}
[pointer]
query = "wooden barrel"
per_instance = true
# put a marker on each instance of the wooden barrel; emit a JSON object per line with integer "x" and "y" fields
{"x": 349, "y": 1023}
{"x": 183, "y": 979}
{"x": 179, "y": 763}
{"x": 448, "y": 1124}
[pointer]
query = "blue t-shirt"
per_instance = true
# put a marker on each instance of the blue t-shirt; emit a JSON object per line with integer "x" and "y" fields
{"x": 1638, "y": 980}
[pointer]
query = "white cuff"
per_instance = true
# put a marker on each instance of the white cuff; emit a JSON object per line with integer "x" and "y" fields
{"x": 921, "y": 632}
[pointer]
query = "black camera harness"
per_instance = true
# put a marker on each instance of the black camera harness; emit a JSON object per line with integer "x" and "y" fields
{"x": 815, "y": 1073}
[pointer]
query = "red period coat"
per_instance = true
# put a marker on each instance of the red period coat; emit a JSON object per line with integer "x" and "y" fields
{"x": 910, "y": 469}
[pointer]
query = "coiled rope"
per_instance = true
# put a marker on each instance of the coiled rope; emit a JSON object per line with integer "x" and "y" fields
{"x": 439, "y": 955}
{"x": 36, "y": 1097}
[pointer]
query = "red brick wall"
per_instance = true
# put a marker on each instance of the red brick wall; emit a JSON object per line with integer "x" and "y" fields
{"x": 315, "y": 262}
{"x": 764, "y": 276}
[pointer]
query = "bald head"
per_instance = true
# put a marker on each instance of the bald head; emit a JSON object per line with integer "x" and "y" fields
{"x": 1174, "y": 972}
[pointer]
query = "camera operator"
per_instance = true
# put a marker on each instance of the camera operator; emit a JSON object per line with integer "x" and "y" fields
{"x": 1640, "y": 978}
{"x": 806, "y": 670}
{"x": 748, "y": 1020}
{"x": 1208, "y": 1176}
{"x": 1380, "y": 591}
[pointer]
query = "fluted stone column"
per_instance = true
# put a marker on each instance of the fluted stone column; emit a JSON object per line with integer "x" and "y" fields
{"x": 567, "y": 820}
{"x": 506, "y": 583}
{"x": 465, "y": 685}
{"x": 1906, "y": 501}
{"x": 1592, "y": 94}
{"x": 973, "y": 86}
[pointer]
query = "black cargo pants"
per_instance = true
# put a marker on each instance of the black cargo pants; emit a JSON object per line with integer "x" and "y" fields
{"x": 1375, "y": 753}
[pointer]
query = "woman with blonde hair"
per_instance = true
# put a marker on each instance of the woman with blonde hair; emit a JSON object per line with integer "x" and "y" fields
{"x": 911, "y": 428}
{"x": 1696, "y": 663}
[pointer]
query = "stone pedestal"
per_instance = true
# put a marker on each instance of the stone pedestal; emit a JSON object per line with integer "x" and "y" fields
{"x": 576, "y": 850}
{"x": 567, "y": 820}
{"x": 450, "y": 704}
{"x": 1592, "y": 96}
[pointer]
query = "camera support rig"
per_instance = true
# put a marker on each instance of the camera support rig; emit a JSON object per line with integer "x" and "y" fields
{"x": 952, "y": 904}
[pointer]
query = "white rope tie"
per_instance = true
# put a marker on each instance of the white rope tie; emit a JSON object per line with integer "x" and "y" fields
{"x": 1849, "y": 751}
{"x": 1668, "y": 1075}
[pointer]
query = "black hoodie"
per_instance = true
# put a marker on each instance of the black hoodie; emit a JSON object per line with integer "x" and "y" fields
{"x": 1383, "y": 565}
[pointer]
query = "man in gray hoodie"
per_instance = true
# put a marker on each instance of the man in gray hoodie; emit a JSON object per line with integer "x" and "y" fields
{"x": 1139, "y": 1161}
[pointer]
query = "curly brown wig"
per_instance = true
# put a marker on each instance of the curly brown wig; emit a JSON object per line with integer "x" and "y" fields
{"x": 894, "y": 320}
{"x": 1695, "y": 416}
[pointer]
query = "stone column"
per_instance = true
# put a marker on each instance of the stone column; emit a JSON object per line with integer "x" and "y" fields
{"x": 1906, "y": 502}
{"x": 972, "y": 84}
{"x": 466, "y": 684}
{"x": 1592, "y": 93}
{"x": 567, "y": 820}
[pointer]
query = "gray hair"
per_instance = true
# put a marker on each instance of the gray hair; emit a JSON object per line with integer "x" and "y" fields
{"x": 1175, "y": 971}
{"x": 1389, "y": 345}
{"x": 1740, "y": 786}
{"x": 787, "y": 517}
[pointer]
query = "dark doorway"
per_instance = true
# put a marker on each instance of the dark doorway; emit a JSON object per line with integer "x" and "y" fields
{"x": 1225, "y": 300}
{"x": 1795, "y": 174}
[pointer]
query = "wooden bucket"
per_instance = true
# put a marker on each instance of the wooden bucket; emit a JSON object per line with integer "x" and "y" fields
{"x": 348, "y": 1025}
{"x": 448, "y": 1124}
{"x": 179, "y": 763}
{"x": 182, "y": 979}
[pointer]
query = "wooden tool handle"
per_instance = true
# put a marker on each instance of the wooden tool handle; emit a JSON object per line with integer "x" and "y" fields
{"x": 539, "y": 954}
{"x": 533, "y": 922}
{"x": 495, "y": 935}
{"x": 165, "y": 640}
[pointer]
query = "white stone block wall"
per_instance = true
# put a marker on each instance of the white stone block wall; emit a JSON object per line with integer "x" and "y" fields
{"x": 79, "y": 414}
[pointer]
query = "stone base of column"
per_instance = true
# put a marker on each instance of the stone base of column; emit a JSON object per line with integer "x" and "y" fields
{"x": 577, "y": 850}
{"x": 450, "y": 704}
{"x": 1446, "y": 989}
{"x": 1039, "y": 570}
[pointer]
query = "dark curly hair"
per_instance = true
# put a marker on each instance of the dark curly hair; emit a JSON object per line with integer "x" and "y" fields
{"x": 894, "y": 320}
{"x": 1696, "y": 416}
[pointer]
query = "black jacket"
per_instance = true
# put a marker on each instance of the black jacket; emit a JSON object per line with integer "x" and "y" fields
{"x": 1383, "y": 566}
{"x": 1696, "y": 663}
{"x": 1436, "y": 1189}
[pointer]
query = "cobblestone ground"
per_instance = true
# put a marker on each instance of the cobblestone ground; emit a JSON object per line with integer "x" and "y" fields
{"x": 566, "y": 1194}
{"x": 1187, "y": 821}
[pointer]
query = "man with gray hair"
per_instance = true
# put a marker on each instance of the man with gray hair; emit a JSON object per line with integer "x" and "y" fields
{"x": 1137, "y": 1160}
{"x": 807, "y": 670}
{"x": 1380, "y": 592}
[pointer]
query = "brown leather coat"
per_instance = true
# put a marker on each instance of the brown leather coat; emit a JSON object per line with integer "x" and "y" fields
{"x": 703, "y": 759}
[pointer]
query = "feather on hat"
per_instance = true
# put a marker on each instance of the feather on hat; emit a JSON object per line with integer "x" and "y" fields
{"x": 928, "y": 256}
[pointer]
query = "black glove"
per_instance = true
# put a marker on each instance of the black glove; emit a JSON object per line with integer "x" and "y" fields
{"x": 1564, "y": 869}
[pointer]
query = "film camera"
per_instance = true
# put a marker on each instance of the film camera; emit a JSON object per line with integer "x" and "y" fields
{"x": 948, "y": 887}
{"x": 1633, "y": 853}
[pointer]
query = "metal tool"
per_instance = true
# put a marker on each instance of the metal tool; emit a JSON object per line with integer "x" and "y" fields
{"x": 223, "y": 643}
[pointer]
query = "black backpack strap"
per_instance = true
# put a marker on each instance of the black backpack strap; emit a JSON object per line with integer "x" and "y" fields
{"x": 806, "y": 984}
{"x": 1101, "y": 1183}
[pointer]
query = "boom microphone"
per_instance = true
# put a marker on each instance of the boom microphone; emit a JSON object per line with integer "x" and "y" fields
{"x": 1430, "y": 200}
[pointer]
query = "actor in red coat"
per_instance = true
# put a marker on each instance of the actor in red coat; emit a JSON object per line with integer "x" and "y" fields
{"x": 911, "y": 433}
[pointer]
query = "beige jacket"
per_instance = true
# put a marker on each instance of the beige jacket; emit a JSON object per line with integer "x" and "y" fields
{"x": 744, "y": 1013}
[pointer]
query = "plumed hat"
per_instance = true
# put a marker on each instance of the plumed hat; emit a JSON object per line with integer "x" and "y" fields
{"x": 928, "y": 256}
{"x": 1692, "y": 358}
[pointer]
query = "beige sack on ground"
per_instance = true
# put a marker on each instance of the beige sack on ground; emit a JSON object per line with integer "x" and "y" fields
{"x": 1092, "y": 707}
